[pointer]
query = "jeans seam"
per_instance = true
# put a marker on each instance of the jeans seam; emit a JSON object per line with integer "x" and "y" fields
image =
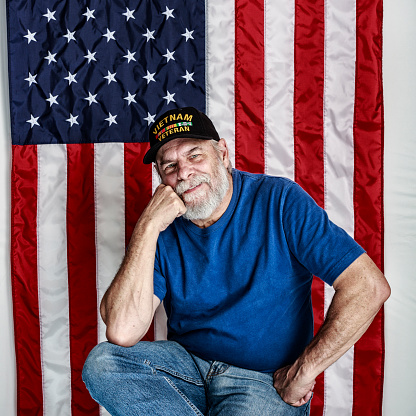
{"x": 149, "y": 364}
{"x": 190, "y": 404}
{"x": 251, "y": 378}
{"x": 178, "y": 375}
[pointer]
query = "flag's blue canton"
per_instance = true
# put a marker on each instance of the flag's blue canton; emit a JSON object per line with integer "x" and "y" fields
{"x": 102, "y": 71}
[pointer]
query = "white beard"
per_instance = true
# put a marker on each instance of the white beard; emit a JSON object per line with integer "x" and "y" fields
{"x": 199, "y": 207}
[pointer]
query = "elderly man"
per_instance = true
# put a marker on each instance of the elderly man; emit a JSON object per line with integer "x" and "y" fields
{"x": 232, "y": 256}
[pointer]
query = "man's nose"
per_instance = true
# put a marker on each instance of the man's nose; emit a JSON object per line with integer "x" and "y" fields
{"x": 185, "y": 170}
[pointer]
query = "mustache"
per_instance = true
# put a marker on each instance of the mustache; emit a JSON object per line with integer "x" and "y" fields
{"x": 196, "y": 180}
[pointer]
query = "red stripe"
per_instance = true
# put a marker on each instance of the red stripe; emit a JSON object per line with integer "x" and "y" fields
{"x": 25, "y": 280}
{"x": 249, "y": 85}
{"x": 318, "y": 303}
{"x": 138, "y": 191}
{"x": 308, "y": 97}
{"x": 368, "y": 195}
{"x": 81, "y": 270}
{"x": 308, "y": 132}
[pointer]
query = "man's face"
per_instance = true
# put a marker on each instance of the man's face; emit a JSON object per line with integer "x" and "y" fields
{"x": 197, "y": 172}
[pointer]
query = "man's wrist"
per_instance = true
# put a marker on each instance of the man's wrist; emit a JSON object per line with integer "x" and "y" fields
{"x": 303, "y": 371}
{"x": 147, "y": 227}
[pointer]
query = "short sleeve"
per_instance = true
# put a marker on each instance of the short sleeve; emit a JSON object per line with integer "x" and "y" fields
{"x": 325, "y": 249}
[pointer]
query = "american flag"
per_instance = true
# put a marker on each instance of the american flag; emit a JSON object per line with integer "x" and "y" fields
{"x": 295, "y": 87}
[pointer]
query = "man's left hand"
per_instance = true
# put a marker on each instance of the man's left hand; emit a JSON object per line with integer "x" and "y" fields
{"x": 291, "y": 388}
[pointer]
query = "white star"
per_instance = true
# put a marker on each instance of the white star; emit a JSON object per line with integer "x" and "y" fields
{"x": 110, "y": 77}
{"x": 168, "y": 13}
{"x": 71, "y": 78}
{"x": 130, "y": 98}
{"x": 69, "y": 35}
{"x": 33, "y": 121}
{"x": 169, "y": 55}
{"x": 148, "y": 34}
{"x": 72, "y": 119}
{"x": 130, "y": 56}
{"x": 188, "y": 76}
{"x": 91, "y": 98}
{"x": 90, "y": 56}
{"x": 149, "y": 77}
{"x": 129, "y": 14}
{"x": 30, "y": 36}
{"x": 49, "y": 15}
{"x": 169, "y": 97}
{"x": 50, "y": 57}
{"x": 109, "y": 35}
{"x": 111, "y": 119}
{"x": 31, "y": 79}
{"x": 89, "y": 14}
{"x": 150, "y": 118}
{"x": 188, "y": 34}
{"x": 52, "y": 99}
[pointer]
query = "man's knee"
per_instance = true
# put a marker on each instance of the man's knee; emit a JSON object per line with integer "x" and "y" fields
{"x": 99, "y": 364}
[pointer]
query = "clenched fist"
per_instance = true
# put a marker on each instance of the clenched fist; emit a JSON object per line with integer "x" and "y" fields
{"x": 163, "y": 208}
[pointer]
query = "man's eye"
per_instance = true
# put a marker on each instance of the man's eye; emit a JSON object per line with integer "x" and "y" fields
{"x": 170, "y": 166}
{"x": 194, "y": 156}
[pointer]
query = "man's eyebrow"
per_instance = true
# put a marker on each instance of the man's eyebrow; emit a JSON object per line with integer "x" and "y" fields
{"x": 193, "y": 150}
{"x": 187, "y": 153}
{"x": 164, "y": 161}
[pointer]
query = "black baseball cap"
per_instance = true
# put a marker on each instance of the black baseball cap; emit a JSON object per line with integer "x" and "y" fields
{"x": 187, "y": 122}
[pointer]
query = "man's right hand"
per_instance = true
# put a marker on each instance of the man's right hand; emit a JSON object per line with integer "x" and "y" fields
{"x": 163, "y": 208}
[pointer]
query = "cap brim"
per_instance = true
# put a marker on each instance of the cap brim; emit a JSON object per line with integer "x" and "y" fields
{"x": 150, "y": 155}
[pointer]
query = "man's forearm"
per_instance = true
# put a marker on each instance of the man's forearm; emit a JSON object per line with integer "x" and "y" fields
{"x": 360, "y": 291}
{"x": 128, "y": 305}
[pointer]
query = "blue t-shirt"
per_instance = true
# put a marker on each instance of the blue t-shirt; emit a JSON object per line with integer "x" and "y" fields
{"x": 239, "y": 291}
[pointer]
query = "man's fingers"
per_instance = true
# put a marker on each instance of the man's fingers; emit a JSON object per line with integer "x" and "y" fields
{"x": 164, "y": 207}
{"x": 303, "y": 400}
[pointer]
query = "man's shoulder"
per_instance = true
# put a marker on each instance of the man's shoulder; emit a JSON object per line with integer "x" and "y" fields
{"x": 248, "y": 179}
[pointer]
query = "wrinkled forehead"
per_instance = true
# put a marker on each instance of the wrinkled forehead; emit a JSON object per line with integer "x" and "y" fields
{"x": 180, "y": 146}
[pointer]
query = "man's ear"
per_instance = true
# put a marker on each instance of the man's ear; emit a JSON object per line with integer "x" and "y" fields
{"x": 222, "y": 145}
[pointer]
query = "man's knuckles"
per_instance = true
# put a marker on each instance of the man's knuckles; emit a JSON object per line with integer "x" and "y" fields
{"x": 170, "y": 200}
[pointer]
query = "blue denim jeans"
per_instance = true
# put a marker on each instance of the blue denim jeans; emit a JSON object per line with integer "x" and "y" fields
{"x": 161, "y": 378}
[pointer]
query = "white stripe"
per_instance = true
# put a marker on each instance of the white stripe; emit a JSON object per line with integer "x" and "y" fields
{"x": 155, "y": 179}
{"x": 219, "y": 74}
{"x": 338, "y": 380}
{"x": 53, "y": 279}
{"x": 110, "y": 219}
{"x": 160, "y": 319}
{"x": 279, "y": 87}
{"x": 339, "y": 112}
{"x": 161, "y": 326}
{"x": 338, "y": 109}
{"x": 110, "y": 213}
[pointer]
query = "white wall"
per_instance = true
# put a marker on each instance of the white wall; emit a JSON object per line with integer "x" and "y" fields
{"x": 400, "y": 204}
{"x": 400, "y": 212}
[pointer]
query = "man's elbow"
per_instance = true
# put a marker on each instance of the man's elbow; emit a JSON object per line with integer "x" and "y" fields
{"x": 378, "y": 292}
{"x": 123, "y": 336}
{"x": 122, "y": 341}
{"x": 383, "y": 291}
{"x": 366, "y": 279}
